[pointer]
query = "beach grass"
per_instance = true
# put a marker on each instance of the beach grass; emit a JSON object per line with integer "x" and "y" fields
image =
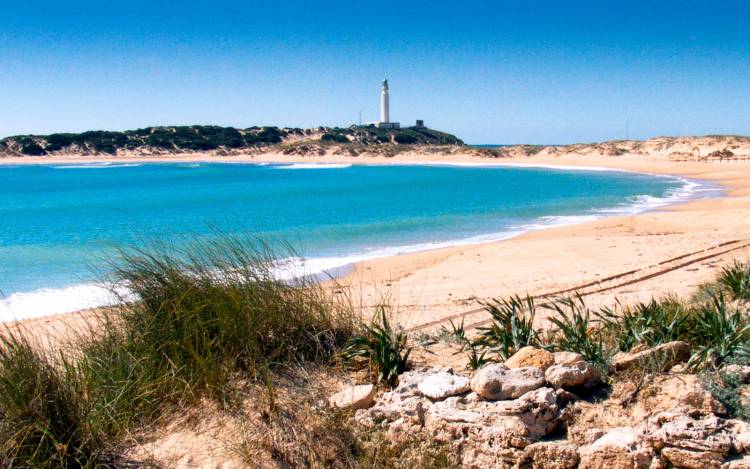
{"x": 195, "y": 320}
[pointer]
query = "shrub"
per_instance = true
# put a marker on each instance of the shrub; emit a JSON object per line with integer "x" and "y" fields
{"x": 381, "y": 348}
{"x": 652, "y": 323}
{"x": 575, "y": 330}
{"x": 736, "y": 279}
{"x": 512, "y": 325}
{"x": 32, "y": 148}
{"x": 719, "y": 335}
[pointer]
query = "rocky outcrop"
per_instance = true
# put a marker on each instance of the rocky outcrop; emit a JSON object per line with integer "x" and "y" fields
{"x": 618, "y": 449}
{"x": 531, "y": 357}
{"x": 663, "y": 357}
{"x": 550, "y": 455}
{"x": 497, "y": 382}
{"x": 508, "y": 415}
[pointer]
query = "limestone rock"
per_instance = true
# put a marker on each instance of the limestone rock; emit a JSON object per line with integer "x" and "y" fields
{"x": 531, "y": 356}
{"x": 573, "y": 375}
{"x": 568, "y": 358}
{"x": 742, "y": 463}
{"x": 353, "y": 397}
{"x": 404, "y": 403}
{"x": 679, "y": 392}
{"x": 665, "y": 356}
{"x": 498, "y": 382}
{"x": 682, "y": 458}
{"x": 550, "y": 455}
{"x": 443, "y": 384}
{"x": 671, "y": 429}
{"x": 617, "y": 449}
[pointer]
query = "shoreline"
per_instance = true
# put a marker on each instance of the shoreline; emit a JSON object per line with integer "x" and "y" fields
{"x": 370, "y": 273}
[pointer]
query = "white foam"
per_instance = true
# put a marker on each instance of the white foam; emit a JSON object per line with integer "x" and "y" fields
{"x": 97, "y": 166}
{"x": 49, "y": 301}
{"x": 314, "y": 166}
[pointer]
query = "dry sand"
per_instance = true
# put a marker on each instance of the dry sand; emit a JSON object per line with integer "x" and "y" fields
{"x": 627, "y": 257}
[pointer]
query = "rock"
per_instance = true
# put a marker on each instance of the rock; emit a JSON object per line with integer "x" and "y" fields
{"x": 564, "y": 397}
{"x": 404, "y": 403}
{"x": 617, "y": 449}
{"x": 740, "y": 432}
{"x": 443, "y": 384}
{"x": 550, "y": 455}
{"x": 665, "y": 356}
{"x": 676, "y": 430}
{"x": 678, "y": 392}
{"x": 568, "y": 358}
{"x": 573, "y": 375}
{"x": 682, "y": 458}
{"x": 531, "y": 357}
{"x": 498, "y": 382}
{"x": 353, "y": 397}
{"x": 742, "y": 373}
{"x": 742, "y": 463}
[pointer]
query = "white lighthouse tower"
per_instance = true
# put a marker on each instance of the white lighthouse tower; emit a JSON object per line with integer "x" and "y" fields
{"x": 385, "y": 114}
{"x": 384, "y": 104}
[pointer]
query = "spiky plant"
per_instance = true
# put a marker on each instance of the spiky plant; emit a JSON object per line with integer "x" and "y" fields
{"x": 381, "y": 348}
{"x": 720, "y": 333}
{"x": 652, "y": 323}
{"x": 576, "y": 331}
{"x": 512, "y": 325}
{"x": 736, "y": 279}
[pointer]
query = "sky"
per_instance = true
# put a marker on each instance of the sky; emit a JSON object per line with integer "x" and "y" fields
{"x": 523, "y": 71}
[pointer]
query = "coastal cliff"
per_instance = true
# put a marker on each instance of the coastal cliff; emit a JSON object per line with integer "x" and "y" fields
{"x": 204, "y": 138}
{"x": 351, "y": 141}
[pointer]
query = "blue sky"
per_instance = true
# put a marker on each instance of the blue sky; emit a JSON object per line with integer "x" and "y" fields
{"x": 489, "y": 71}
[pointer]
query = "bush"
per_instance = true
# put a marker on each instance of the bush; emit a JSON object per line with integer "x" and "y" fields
{"x": 32, "y": 148}
{"x": 719, "y": 335}
{"x": 512, "y": 326}
{"x": 736, "y": 279}
{"x": 576, "y": 332}
{"x": 652, "y": 323}
{"x": 380, "y": 348}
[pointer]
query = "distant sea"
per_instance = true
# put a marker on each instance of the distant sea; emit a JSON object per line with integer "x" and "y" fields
{"x": 61, "y": 223}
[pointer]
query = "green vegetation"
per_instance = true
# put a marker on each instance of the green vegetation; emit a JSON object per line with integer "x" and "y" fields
{"x": 574, "y": 323}
{"x": 736, "y": 279}
{"x": 512, "y": 326}
{"x": 652, "y": 323}
{"x": 210, "y": 138}
{"x": 380, "y": 348}
{"x": 206, "y": 319}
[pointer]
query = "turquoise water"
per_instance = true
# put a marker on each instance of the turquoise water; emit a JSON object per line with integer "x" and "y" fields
{"x": 59, "y": 222}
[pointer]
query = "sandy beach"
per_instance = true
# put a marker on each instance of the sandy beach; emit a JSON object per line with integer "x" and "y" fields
{"x": 630, "y": 258}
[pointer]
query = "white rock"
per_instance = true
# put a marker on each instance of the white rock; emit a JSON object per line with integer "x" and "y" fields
{"x": 443, "y": 384}
{"x": 572, "y": 375}
{"x": 353, "y": 397}
{"x": 498, "y": 382}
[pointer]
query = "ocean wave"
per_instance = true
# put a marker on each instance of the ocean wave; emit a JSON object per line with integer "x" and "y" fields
{"x": 97, "y": 165}
{"x": 314, "y": 166}
{"x": 50, "y": 301}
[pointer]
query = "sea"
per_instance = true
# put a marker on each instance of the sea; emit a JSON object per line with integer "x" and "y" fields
{"x": 61, "y": 225}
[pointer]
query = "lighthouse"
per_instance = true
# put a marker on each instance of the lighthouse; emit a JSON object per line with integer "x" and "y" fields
{"x": 385, "y": 114}
{"x": 384, "y": 104}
